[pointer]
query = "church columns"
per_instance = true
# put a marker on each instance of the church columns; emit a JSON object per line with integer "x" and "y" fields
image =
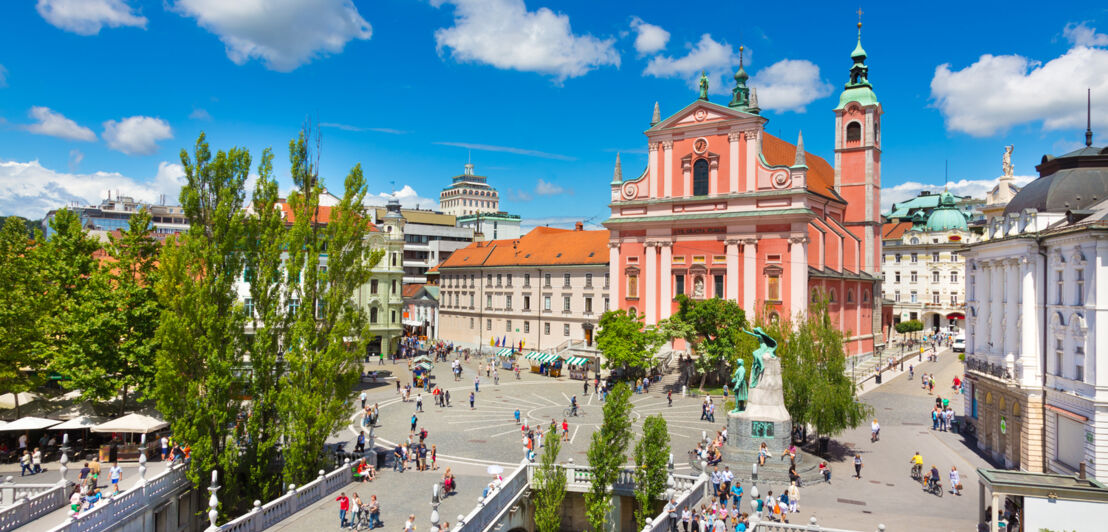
{"x": 733, "y": 155}
{"x": 751, "y": 156}
{"x": 1011, "y": 314}
{"x": 666, "y": 295}
{"x": 667, "y": 160}
{"x": 713, "y": 176}
{"x": 798, "y": 273}
{"x": 732, "y": 289}
{"x": 1029, "y": 327}
{"x": 655, "y": 179}
{"x": 750, "y": 261}
{"x": 984, "y": 315}
{"x": 651, "y": 283}
{"x": 998, "y": 312}
{"x": 614, "y": 284}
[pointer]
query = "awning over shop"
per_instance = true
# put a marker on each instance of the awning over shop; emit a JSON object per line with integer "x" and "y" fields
{"x": 577, "y": 361}
{"x": 412, "y": 323}
{"x": 424, "y": 366}
{"x": 540, "y": 358}
{"x": 505, "y": 352}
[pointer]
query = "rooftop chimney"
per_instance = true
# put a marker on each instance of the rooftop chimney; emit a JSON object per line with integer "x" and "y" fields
{"x": 579, "y": 226}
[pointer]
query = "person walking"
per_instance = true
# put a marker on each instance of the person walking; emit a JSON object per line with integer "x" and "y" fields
{"x": 363, "y": 397}
{"x": 374, "y": 512}
{"x": 857, "y": 466}
{"x": 516, "y": 414}
{"x": 355, "y": 512}
{"x": 565, "y": 429}
{"x": 414, "y": 421}
{"x": 736, "y": 494}
{"x": 875, "y": 431}
{"x": 955, "y": 481}
{"x": 36, "y": 460}
{"x": 472, "y": 399}
{"x": 671, "y": 514}
{"x": 25, "y": 463}
{"x": 344, "y": 507}
{"x": 477, "y": 383}
{"x": 115, "y": 474}
{"x": 419, "y": 402}
{"x": 496, "y": 376}
{"x": 794, "y": 497}
{"x": 409, "y": 525}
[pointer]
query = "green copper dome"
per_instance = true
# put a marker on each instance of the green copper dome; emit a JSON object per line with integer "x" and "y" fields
{"x": 946, "y": 217}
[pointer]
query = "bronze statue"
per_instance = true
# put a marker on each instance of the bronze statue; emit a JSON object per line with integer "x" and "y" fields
{"x": 767, "y": 347}
{"x": 738, "y": 383}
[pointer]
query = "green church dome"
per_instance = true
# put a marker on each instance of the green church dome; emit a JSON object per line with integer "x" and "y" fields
{"x": 946, "y": 217}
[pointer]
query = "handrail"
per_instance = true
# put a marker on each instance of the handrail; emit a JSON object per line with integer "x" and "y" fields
{"x": 26, "y": 509}
{"x": 494, "y": 504}
{"x": 285, "y": 506}
{"x": 115, "y": 510}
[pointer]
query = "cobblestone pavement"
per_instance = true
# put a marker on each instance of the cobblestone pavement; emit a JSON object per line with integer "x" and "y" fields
{"x": 469, "y": 441}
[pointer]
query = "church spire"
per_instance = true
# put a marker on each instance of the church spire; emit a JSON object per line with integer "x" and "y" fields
{"x": 657, "y": 115}
{"x": 617, "y": 176}
{"x": 740, "y": 95}
{"x": 800, "y": 160}
{"x": 1089, "y": 117}
{"x": 859, "y": 73}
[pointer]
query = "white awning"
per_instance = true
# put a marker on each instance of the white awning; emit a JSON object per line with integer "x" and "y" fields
{"x": 25, "y": 398}
{"x": 29, "y": 423}
{"x": 137, "y": 423}
{"x": 412, "y": 323}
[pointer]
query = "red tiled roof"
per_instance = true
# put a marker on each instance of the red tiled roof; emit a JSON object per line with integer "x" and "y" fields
{"x": 894, "y": 230}
{"x": 821, "y": 176}
{"x": 411, "y": 290}
{"x": 540, "y": 247}
{"x": 323, "y": 215}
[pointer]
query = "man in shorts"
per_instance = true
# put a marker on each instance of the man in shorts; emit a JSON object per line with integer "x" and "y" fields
{"x": 116, "y": 475}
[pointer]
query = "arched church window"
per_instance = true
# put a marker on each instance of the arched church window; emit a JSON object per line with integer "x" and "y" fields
{"x": 850, "y": 296}
{"x": 373, "y": 314}
{"x": 700, "y": 178}
{"x": 853, "y": 132}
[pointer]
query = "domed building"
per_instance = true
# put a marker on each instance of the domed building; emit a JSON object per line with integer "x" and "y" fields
{"x": 1032, "y": 357}
{"x": 923, "y": 273}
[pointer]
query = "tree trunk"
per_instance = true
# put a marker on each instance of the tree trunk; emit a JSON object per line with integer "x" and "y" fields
{"x": 16, "y": 395}
{"x": 123, "y": 401}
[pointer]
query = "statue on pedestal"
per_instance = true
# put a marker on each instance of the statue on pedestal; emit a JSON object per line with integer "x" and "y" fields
{"x": 767, "y": 348}
{"x": 738, "y": 383}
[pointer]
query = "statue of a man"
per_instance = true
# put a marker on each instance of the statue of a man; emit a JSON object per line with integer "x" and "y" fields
{"x": 1006, "y": 164}
{"x": 739, "y": 384}
{"x": 698, "y": 287}
{"x": 703, "y": 85}
{"x": 767, "y": 347}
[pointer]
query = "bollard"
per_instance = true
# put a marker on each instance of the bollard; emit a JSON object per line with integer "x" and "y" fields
{"x": 880, "y": 528}
{"x": 754, "y": 472}
{"x": 257, "y": 506}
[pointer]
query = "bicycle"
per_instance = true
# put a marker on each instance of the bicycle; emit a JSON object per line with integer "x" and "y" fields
{"x": 917, "y": 472}
{"x": 569, "y": 412}
{"x": 934, "y": 487}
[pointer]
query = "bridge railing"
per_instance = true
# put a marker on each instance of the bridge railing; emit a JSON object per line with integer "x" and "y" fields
{"x": 493, "y": 505}
{"x": 25, "y": 503}
{"x": 116, "y": 510}
{"x": 269, "y": 514}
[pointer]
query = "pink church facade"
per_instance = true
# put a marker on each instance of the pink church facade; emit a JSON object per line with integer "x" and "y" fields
{"x": 724, "y": 209}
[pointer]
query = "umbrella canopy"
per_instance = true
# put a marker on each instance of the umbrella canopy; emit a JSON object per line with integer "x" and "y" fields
{"x": 77, "y": 423}
{"x": 29, "y": 423}
{"x": 75, "y": 411}
{"x": 8, "y": 400}
{"x": 137, "y": 423}
{"x": 421, "y": 358}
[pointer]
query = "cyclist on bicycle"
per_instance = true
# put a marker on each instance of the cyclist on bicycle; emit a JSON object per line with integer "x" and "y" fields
{"x": 932, "y": 478}
{"x": 573, "y": 405}
{"x": 917, "y": 465}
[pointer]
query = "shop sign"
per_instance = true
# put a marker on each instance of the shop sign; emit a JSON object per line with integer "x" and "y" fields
{"x": 1003, "y": 425}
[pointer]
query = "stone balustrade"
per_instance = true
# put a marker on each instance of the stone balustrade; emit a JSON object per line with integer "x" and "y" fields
{"x": 296, "y": 499}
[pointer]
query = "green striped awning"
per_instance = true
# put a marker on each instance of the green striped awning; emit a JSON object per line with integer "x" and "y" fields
{"x": 540, "y": 358}
{"x": 577, "y": 361}
{"x": 533, "y": 355}
{"x": 424, "y": 366}
{"x": 504, "y": 352}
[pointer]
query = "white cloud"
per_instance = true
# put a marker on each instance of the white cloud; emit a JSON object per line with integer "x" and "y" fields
{"x": 998, "y": 92}
{"x": 409, "y": 199}
{"x": 974, "y": 188}
{"x": 200, "y": 114}
{"x": 708, "y": 55}
{"x": 283, "y": 34}
{"x": 1082, "y": 35}
{"x": 86, "y": 17}
{"x": 789, "y": 85}
{"x": 519, "y": 195}
{"x": 75, "y": 158}
{"x": 648, "y": 37}
{"x": 508, "y": 149}
{"x": 502, "y": 33}
{"x": 359, "y": 129}
{"x": 54, "y": 124}
{"x": 136, "y": 135}
{"x": 546, "y": 188}
{"x": 28, "y": 189}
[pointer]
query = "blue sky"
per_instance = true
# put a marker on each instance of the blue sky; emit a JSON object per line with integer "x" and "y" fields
{"x": 103, "y": 94}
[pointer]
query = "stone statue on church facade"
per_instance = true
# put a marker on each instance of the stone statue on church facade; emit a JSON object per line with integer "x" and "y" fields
{"x": 1006, "y": 164}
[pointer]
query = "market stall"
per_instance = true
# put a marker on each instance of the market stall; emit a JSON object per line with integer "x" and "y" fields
{"x": 506, "y": 358}
{"x": 130, "y": 424}
{"x": 421, "y": 373}
{"x": 578, "y": 367}
{"x": 545, "y": 363}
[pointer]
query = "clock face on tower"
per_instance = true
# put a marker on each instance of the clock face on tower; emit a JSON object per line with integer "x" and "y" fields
{"x": 700, "y": 145}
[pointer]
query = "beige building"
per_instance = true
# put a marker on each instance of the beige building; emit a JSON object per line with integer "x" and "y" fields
{"x": 545, "y": 288}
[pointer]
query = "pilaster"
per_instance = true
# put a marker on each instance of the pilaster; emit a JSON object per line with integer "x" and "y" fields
{"x": 667, "y": 160}
{"x": 751, "y": 157}
{"x": 732, "y": 289}
{"x": 651, "y": 279}
{"x": 652, "y": 187}
{"x": 666, "y": 296}
{"x": 733, "y": 154}
{"x": 615, "y": 279}
{"x": 750, "y": 261}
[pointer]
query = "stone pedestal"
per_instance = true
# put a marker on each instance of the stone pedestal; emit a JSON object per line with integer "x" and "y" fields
{"x": 765, "y": 418}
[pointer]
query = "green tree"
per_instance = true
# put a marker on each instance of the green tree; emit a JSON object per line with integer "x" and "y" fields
{"x": 328, "y": 331}
{"x": 606, "y": 453}
{"x": 21, "y": 306}
{"x": 626, "y": 344}
{"x": 263, "y": 248}
{"x": 550, "y": 488}
{"x": 114, "y": 322}
{"x": 200, "y": 359}
{"x": 713, "y": 329}
{"x": 817, "y": 390}
{"x": 67, "y": 266}
{"x": 651, "y": 459}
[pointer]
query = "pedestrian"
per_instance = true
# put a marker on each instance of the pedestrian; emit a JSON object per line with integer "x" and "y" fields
{"x": 360, "y": 445}
{"x": 669, "y": 397}
{"x": 516, "y": 414}
{"x": 165, "y": 447}
{"x": 398, "y": 458}
{"x": 374, "y": 512}
{"x": 565, "y": 429}
{"x": 472, "y": 399}
{"x": 496, "y": 376}
{"x": 857, "y": 466}
{"x": 477, "y": 383}
{"x": 716, "y": 478}
{"x": 736, "y": 494}
{"x": 671, "y": 514}
{"x": 25, "y": 463}
{"x": 36, "y": 460}
{"x": 446, "y": 397}
{"x": 794, "y": 497}
{"x": 409, "y": 525}
{"x": 344, "y": 506}
{"x": 414, "y": 421}
{"x": 362, "y": 396}
{"x": 875, "y": 431}
{"x": 434, "y": 457}
{"x": 955, "y": 481}
{"x": 419, "y": 402}
{"x": 686, "y": 517}
{"x": 726, "y": 477}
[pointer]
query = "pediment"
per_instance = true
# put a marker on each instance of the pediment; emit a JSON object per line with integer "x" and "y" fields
{"x": 701, "y": 112}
